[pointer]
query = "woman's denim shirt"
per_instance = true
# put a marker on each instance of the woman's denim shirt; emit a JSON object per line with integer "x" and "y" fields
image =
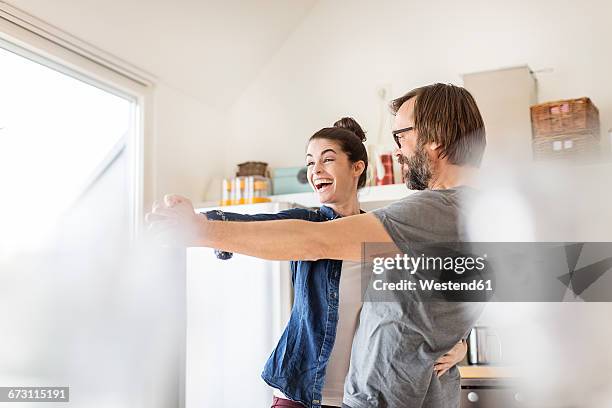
{"x": 297, "y": 365}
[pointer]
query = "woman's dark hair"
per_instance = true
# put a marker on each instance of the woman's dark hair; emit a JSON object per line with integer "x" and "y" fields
{"x": 350, "y": 136}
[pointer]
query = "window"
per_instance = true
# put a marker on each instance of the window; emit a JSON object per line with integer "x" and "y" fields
{"x": 58, "y": 137}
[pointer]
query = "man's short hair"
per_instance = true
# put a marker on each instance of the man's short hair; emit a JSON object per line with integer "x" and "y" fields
{"x": 447, "y": 115}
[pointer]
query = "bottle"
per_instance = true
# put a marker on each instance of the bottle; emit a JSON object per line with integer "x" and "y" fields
{"x": 226, "y": 192}
{"x": 384, "y": 169}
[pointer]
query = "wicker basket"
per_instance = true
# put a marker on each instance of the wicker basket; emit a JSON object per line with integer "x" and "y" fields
{"x": 253, "y": 168}
{"x": 577, "y": 145}
{"x": 559, "y": 117}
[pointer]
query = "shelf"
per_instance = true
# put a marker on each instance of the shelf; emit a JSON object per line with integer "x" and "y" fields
{"x": 369, "y": 197}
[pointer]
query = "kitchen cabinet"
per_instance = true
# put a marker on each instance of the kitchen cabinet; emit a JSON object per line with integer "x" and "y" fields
{"x": 484, "y": 386}
{"x": 490, "y": 393}
{"x": 504, "y": 97}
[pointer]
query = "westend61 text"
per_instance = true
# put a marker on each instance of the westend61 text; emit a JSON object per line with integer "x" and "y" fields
{"x": 431, "y": 285}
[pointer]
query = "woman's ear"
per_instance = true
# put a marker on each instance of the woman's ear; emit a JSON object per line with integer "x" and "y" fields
{"x": 358, "y": 167}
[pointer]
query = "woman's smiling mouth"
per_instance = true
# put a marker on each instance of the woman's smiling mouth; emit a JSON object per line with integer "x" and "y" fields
{"x": 322, "y": 184}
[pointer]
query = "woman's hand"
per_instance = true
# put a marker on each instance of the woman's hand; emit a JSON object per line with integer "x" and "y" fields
{"x": 453, "y": 357}
{"x": 174, "y": 221}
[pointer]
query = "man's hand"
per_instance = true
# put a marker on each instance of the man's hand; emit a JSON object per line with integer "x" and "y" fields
{"x": 453, "y": 357}
{"x": 174, "y": 221}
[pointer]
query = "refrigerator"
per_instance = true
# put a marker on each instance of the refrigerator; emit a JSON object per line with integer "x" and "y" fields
{"x": 236, "y": 311}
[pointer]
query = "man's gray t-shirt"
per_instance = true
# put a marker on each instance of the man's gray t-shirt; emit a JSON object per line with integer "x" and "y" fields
{"x": 397, "y": 343}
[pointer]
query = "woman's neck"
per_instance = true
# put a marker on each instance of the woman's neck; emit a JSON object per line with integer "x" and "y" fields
{"x": 346, "y": 208}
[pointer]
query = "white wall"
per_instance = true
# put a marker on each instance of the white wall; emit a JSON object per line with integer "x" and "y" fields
{"x": 209, "y": 49}
{"x": 188, "y": 146}
{"x": 333, "y": 64}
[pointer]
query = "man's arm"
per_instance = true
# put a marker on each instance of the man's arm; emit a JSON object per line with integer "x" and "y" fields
{"x": 219, "y": 215}
{"x": 176, "y": 222}
{"x": 294, "y": 239}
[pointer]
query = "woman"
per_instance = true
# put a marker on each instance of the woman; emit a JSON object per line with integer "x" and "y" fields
{"x": 311, "y": 360}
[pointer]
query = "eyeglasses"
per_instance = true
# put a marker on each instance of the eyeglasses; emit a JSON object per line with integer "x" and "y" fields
{"x": 396, "y": 136}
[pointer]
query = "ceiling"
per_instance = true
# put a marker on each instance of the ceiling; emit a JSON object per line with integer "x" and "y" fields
{"x": 210, "y": 50}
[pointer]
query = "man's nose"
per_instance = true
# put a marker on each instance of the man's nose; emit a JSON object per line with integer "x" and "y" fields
{"x": 397, "y": 153}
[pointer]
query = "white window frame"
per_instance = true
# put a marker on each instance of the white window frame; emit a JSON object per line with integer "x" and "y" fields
{"x": 41, "y": 42}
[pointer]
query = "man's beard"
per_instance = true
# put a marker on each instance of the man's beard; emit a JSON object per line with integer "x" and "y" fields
{"x": 417, "y": 171}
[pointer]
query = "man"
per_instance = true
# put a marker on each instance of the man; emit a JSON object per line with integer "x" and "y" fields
{"x": 440, "y": 142}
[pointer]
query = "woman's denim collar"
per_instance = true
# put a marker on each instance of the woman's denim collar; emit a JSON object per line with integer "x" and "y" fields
{"x": 329, "y": 213}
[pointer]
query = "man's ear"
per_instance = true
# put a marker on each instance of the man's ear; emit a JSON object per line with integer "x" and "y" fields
{"x": 433, "y": 146}
{"x": 434, "y": 149}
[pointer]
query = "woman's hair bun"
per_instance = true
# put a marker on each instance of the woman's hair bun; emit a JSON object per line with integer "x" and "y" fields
{"x": 352, "y": 125}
